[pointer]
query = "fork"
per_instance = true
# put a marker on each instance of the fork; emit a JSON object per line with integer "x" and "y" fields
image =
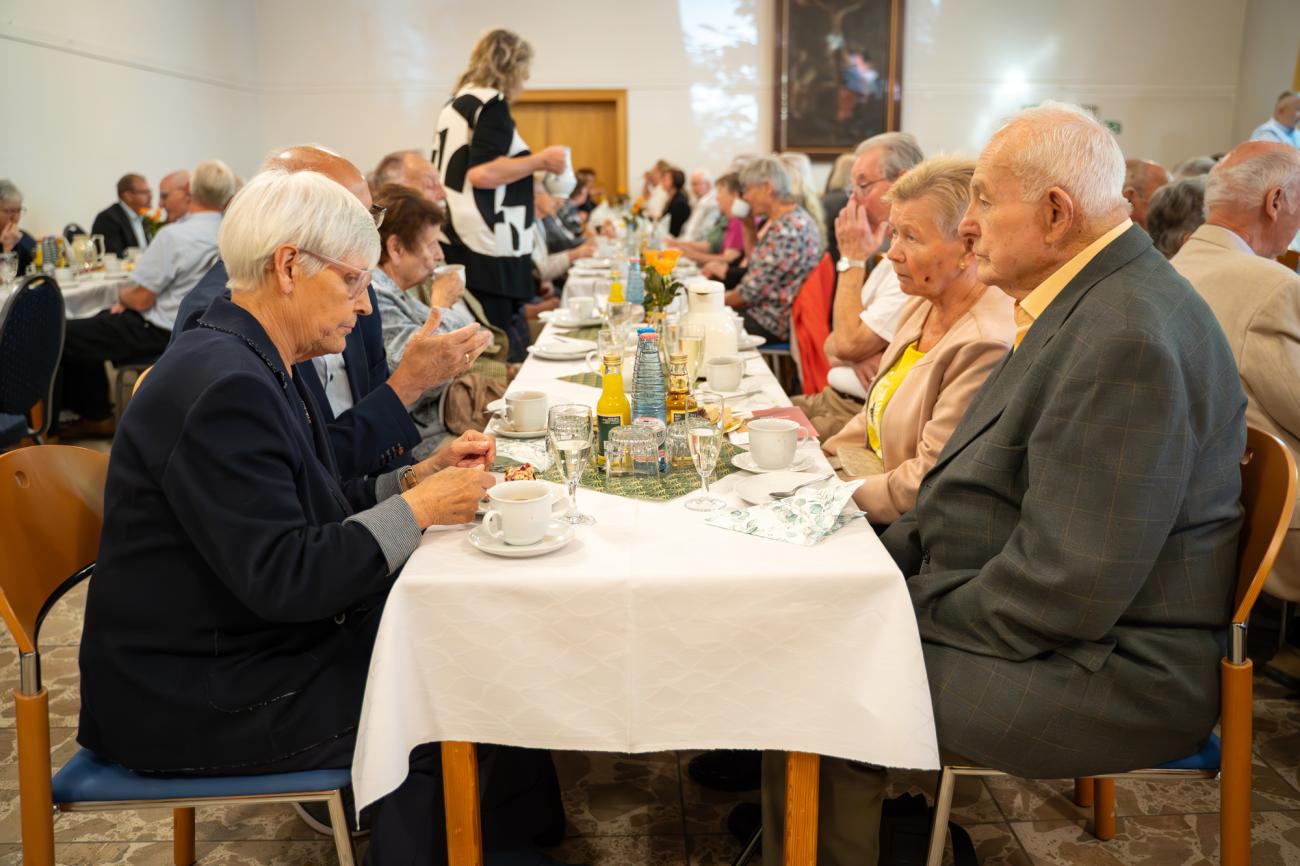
{"x": 782, "y": 494}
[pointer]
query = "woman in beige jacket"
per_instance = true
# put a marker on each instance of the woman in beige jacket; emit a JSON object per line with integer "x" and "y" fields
{"x": 952, "y": 333}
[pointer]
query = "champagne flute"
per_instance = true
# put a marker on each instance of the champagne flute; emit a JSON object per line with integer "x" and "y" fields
{"x": 569, "y": 430}
{"x": 704, "y": 438}
{"x": 691, "y": 342}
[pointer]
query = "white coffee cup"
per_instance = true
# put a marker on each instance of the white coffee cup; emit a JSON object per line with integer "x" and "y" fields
{"x": 724, "y": 373}
{"x": 525, "y": 411}
{"x": 519, "y": 512}
{"x": 772, "y": 441}
{"x": 450, "y": 269}
{"x": 579, "y": 307}
{"x": 112, "y": 264}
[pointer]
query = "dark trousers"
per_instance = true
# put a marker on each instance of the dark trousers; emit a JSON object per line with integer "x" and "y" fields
{"x": 508, "y": 315}
{"x": 758, "y": 330}
{"x": 88, "y": 343}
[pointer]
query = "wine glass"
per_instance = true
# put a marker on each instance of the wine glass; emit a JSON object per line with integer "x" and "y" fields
{"x": 8, "y": 268}
{"x": 704, "y": 438}
{"x": 569, "y": 430}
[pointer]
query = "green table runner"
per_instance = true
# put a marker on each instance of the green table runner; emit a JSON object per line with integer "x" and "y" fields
{"x": 677, "y": 483}
{"x": 592, "y": 380}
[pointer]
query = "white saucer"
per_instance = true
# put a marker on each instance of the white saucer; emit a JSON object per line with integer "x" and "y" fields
{"x": 496, "y": 428}
{"x": 565, "y": 322}
{"x": 803, "y": 460}
{"x": 557, "y": 535}
{"x": 749, "y": 341}
{"x": 757, "y": 490}
{"x": 550, "y": 354}
{"x": 594, "y": 262}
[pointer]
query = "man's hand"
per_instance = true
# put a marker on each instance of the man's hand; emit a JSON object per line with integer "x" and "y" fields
{"x": 10, "y": 235}
{"x": 431, "y": 359}
{"x": 855, "y": 234}
{"x": 449, "y": 497}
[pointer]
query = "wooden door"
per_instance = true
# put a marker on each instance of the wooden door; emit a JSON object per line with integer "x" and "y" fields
{"x": 591, "y": 122}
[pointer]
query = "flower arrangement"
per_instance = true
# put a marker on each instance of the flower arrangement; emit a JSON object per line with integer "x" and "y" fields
{"x": 151, "y": 220}
{"x": 660, "y": 287}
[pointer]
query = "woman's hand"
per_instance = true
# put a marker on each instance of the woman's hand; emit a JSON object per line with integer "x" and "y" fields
{"x": 10, "y": 235}
{"x": 582, "y": 251}
{"x": 716, "y": 270}
{"x": 447, "y": 290}
{"x": 553, "y": 158}
{"x": 449, "y": 497}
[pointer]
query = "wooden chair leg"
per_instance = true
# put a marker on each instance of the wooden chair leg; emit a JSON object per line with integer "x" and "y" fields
{"x": 183, "y": 837}
{"x": 1234, "y": 776}
{"x": 460, "y": 791}
{"x": 1083, "y": 790}
{"x": 802, "y": 774}
{"x": 35, "y": 802}
{"x": 1103, "y": 809}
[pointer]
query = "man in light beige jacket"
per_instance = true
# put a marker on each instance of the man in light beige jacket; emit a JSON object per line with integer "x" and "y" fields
{"x": 1252, "y": 202}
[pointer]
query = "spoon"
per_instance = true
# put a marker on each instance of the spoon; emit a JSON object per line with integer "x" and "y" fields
{"x": 782, "y": 494}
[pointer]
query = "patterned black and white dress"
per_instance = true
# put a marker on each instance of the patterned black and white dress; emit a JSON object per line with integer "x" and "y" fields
{"x": 489, "y": 231}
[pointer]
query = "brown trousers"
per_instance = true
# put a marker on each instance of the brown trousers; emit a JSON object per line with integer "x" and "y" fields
{"x": 828, "y": 410}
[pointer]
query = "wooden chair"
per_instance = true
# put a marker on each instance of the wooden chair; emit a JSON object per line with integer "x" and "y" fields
{"x": 52, "y": 497}
{"x": 1268, "y": 491}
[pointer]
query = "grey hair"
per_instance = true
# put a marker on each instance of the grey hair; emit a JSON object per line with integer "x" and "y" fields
{"x": 391, "y": 168}
{"x": 302, "y": 208}
{"x": 1194, "y": 167}
{"x": 1176, "y": 210}
{"x": 9, "y": 191}
{"x": 901, "y": 152}
{"x": 1245, "y": 183}
{"x": 1069, "y": 148}
{"x": 212, "y": 184}
{"x": 768, "y": 169}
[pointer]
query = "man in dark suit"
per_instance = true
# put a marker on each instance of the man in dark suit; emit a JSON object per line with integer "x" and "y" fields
{"x": 1071, "y": 555}
{"x": 373, "y": 431}
{"x": 120, "y": 223}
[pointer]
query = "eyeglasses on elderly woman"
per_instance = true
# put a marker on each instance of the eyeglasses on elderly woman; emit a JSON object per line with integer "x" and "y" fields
{"x": 356, "y": 279}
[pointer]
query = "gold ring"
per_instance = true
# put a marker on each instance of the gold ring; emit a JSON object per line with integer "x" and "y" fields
{"x": 467, "y": 358}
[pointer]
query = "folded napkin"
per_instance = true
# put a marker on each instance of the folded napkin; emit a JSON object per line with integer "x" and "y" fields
{"x": 805, "y": 518}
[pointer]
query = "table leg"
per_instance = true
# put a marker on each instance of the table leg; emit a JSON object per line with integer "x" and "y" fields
{"x": 460, "y": 791}
{"x": 801, "y": 788}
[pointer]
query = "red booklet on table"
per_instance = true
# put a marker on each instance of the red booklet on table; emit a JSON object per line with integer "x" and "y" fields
{"x": 793, "y": 413}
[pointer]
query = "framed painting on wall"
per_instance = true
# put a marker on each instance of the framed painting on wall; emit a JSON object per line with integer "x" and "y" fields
{"x": 838, "y": 68}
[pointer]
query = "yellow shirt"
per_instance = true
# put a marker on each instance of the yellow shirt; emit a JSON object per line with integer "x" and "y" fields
{"x": 884, "y": 390}
{"x": 1031, "y": 306}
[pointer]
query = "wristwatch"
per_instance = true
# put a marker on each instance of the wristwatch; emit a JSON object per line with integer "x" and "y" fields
{"x": 844, "y": 265}
{"x": 407, "y": 479}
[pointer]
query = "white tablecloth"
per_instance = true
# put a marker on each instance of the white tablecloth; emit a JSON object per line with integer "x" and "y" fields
{"x": 85, "y": 296}
{"x": 650, "y": 631}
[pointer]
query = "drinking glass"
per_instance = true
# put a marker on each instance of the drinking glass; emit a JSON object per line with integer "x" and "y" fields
{"x": 691, "y": 341}
{"x": 8, "y": 268}
{"x": 569, "y": 430}
{"x": 704, "y": 439}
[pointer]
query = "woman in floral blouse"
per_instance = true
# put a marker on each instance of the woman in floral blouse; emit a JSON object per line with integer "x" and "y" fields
{"x": 789, "y": 247}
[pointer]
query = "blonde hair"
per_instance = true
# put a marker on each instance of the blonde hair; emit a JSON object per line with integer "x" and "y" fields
{"x": 501, "y": 60}
{"x": 803, "y": 187}
{"x": 945, "y": 179}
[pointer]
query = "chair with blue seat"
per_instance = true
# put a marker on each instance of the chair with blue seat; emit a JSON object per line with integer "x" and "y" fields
{"x": 31, "y": 344}
{"x": 52, "y": 497}
{"x": 1268, "y": 491}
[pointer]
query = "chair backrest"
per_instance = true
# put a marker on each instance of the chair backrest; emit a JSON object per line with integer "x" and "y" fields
{"x": 31, "y": 343}
{"x": 52, "y": 499}
{"x": 1268, "y": 490}
{"x": 811, "y": 324}
{"x": 71, "y": 230}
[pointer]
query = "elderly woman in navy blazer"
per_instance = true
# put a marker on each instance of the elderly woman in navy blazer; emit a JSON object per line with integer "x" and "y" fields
{"x": 239, "y": 582}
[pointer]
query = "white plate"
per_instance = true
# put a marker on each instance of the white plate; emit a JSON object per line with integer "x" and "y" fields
{"x": 557, "y": 535}
{"x": 803, "y": 460}
{"x": 563, "y": 321}
{"x": 550, "y": 354}
{"x": 593, "y": 262}
{"x": 757, "y": 489}
{"x": 496, "y": 428}
{"x": 749, "y": 341}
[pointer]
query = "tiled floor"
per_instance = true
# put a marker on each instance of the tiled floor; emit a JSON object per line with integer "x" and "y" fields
{"x": 642, "y": 809}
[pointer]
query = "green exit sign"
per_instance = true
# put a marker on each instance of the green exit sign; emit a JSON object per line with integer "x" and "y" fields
{"x": 1114, "y": 126}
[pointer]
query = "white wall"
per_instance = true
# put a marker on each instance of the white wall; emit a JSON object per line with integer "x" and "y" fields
{"x": 103, "y": 88}
{"x": 1268, "y": 60}
{"x": 151, "y": 85}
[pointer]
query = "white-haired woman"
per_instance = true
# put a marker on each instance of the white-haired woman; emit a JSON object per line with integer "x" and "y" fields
{"x": 951, "y": 334}
{"x": 487, "y": 170}
{"x": 239, "y": 580}
{"x": 804, "y": 187}
{"x": 788, "y": 248}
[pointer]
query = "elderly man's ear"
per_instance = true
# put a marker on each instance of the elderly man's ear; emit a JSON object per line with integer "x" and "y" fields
{"x": 1058, "y": 215}
{"x": 1273, "y": 203}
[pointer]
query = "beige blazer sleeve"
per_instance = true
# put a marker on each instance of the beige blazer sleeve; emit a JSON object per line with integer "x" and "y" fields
{"x": 1270, "y": 360}
{"x": 932, "y": 399}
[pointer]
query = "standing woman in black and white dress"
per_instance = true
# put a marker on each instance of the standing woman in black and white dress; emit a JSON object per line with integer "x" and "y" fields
{"x": 487, "y": 170}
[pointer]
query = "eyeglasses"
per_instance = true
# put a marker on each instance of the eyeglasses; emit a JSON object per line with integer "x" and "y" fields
{"x": 13, "y": 211}
{"x": 377, "y": 213}
{"x": 360, "y": 276}
{"x": 861, "y": 188}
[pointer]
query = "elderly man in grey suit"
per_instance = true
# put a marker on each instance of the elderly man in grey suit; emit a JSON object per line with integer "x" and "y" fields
{"x": 1071, "y": 554}
{"x": 1252, "y": 200}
